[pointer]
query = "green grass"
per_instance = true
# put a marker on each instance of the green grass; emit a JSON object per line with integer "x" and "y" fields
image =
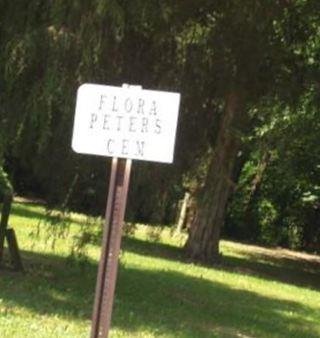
{"x": 255, "y": 292}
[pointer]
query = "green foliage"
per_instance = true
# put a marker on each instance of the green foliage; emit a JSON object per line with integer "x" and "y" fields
{"x": 206, "y": 49}
{"x": 267, "y": 216}
{"x": 52, "y": 49}
{"x": 282, "y": 202}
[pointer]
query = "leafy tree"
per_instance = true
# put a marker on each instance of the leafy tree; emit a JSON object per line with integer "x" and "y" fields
{"x": 283, "y": 207}
{"x": 259, "y": 52}
{"x": 235, "y": 62}
{"x": 46, "y": 55}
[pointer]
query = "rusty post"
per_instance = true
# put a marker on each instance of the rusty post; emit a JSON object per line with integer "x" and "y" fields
{"x": 14, "y": 250}
{"x": 4, "y": 217}
{"x": 108, "y": 266}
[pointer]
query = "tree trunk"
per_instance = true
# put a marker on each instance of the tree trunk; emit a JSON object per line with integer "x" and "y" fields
{"x": 204, "y": 234}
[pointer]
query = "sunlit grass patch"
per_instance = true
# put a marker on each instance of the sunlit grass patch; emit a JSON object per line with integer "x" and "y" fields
{"x": 254, "y": 292}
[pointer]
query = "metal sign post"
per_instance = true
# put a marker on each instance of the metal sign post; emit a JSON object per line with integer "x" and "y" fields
{"x": 128, "y": 123}
{"x": 108, "y": 266}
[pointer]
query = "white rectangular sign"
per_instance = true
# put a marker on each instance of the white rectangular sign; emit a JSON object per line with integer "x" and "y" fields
{"x": 125, "y": 122}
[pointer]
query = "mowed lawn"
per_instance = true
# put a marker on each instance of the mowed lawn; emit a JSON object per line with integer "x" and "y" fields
{"x": 254, "y": 292}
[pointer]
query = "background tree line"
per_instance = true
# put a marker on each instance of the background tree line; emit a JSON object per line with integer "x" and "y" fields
{"x": 247, "y": 145}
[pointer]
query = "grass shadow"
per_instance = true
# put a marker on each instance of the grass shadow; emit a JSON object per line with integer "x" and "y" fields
{"x": 193, "y": 307}
{"x": 50, "y": 284}
{"x": 19, "y": 209}
{"x": 163, "y": 302}
{"x": 299, "y": 273}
